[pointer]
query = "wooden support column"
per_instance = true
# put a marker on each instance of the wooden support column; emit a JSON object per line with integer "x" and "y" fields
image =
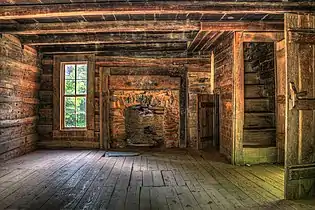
{"x": 238, "y": 99}
{"x": 183, "y": 113}
{"x": 104, "y": 108}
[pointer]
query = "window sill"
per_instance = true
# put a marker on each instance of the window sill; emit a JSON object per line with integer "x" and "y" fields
{"x": 74, "y": 129}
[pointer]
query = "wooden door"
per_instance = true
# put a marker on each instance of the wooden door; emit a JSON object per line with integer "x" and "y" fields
{"x": 280, "y": 99}
{"x": 205, "y": 120}
{"x": 300, "y": 106}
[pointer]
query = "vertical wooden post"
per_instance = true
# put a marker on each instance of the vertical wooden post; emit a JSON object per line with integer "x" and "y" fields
{"x": 280, "y": 98}
{"x": 104, "y": 108}
{"x": 183, "y": 106}
{"x": 101, "y": 81}
{"x": 212, "y": 73}
{"x": 238, "y": 99}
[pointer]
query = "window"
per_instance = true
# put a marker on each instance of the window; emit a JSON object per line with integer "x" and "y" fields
{"x": 74, "y": 94}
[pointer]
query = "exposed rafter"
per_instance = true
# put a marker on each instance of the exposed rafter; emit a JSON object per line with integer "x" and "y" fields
{"x": 176, "y": 7}
{"x": 196, "y": 40}
{"x": 212, "y": 40}
{"x": 108, "y": 38}
{"x": 117, "y": 48}
{"x": 99, "y": 27}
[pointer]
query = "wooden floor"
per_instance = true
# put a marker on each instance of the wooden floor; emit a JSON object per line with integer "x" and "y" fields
{"x": 173, "y": 179}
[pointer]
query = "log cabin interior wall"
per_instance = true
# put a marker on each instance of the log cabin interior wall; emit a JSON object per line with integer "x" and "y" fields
{"x": 160, "y": 71}
{"x": 224, "y": 84}
{"x": 19, "y": 85}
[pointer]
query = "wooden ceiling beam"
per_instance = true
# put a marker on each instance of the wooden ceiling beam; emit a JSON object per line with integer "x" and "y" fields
{"x": 117, "y": 47}
{"x": 136, "y": 54}
{"x": 108, "y": 38}
{"x": 171, "y": 7}
{"x": 99, "y": 27}
{"x": 242, "y": 26}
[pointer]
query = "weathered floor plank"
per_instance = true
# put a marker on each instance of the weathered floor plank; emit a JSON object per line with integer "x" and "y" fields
{"x": 173, "y": 179}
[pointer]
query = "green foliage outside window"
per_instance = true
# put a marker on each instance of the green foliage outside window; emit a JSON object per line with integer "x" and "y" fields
{"x": 75, "y": 95}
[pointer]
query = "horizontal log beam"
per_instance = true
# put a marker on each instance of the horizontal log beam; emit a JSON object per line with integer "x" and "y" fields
{"x": 136, "y": 54}
{"x": 119, "y": 47}
{"x": 116, "y": 49}
{"x": 11, "y": 123}
{"x": 99, "y": 27}
{"x": 175, "y": 7}
{"x": 6, "y": 61}
{"x": 242, "y": 26}
{"x": 108, "y": 38}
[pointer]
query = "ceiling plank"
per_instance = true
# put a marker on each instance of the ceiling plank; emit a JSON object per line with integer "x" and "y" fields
{"x": 196, "y": 40}
{"x": 202, "y": 41}
{"x": 108, "y": 38}
{"x": 170, "y": 7}
{"x": 242, "y": 26}
{"x": 100, "y": 26}
{"x": 211, "y": 41}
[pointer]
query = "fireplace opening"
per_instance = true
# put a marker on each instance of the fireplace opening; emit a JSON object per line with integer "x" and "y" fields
{"x": 149, "y": 130}
{"x": 144, "y": 125}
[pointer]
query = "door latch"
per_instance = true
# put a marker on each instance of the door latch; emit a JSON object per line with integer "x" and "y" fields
{"x": 298, "y": 100}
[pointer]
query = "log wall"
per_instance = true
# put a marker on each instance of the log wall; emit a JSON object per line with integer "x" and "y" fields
{"x": 19, "y": 84}
{"x": 198, "y": 83}
{"x": 198, "y": 79}
{"x": 224, "y": 65}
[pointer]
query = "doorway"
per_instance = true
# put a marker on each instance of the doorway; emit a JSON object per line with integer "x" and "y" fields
{"x": 208, "y": 121}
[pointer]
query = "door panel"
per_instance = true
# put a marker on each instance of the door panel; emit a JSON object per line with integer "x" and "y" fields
{"x": 300, "y": 106}
{"x": 205, "y": 120}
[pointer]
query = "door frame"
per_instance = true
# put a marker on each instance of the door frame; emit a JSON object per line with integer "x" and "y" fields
{"x": 238, "y": 89}
{"x": 104, "y": 107}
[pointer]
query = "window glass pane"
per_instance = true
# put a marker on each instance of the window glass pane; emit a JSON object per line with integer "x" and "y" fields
{"x": 81, "y": 105}
{"x": 82, "y": 71}
{"x": 70, "y": 87}
{"x": 70, "y": 71}
{"x": 81, "y": 120}
{"x": 69, "y": 120}
{"x": 70, "y": 117}
{"x": 70, "y": 104}
{"x": 81, "y": 86}
{"x": 81, "y": 111}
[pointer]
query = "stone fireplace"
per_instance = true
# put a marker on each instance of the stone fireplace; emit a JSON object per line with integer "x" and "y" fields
{"x": 144, "y": 125}
{"x": 144, "y": 111}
